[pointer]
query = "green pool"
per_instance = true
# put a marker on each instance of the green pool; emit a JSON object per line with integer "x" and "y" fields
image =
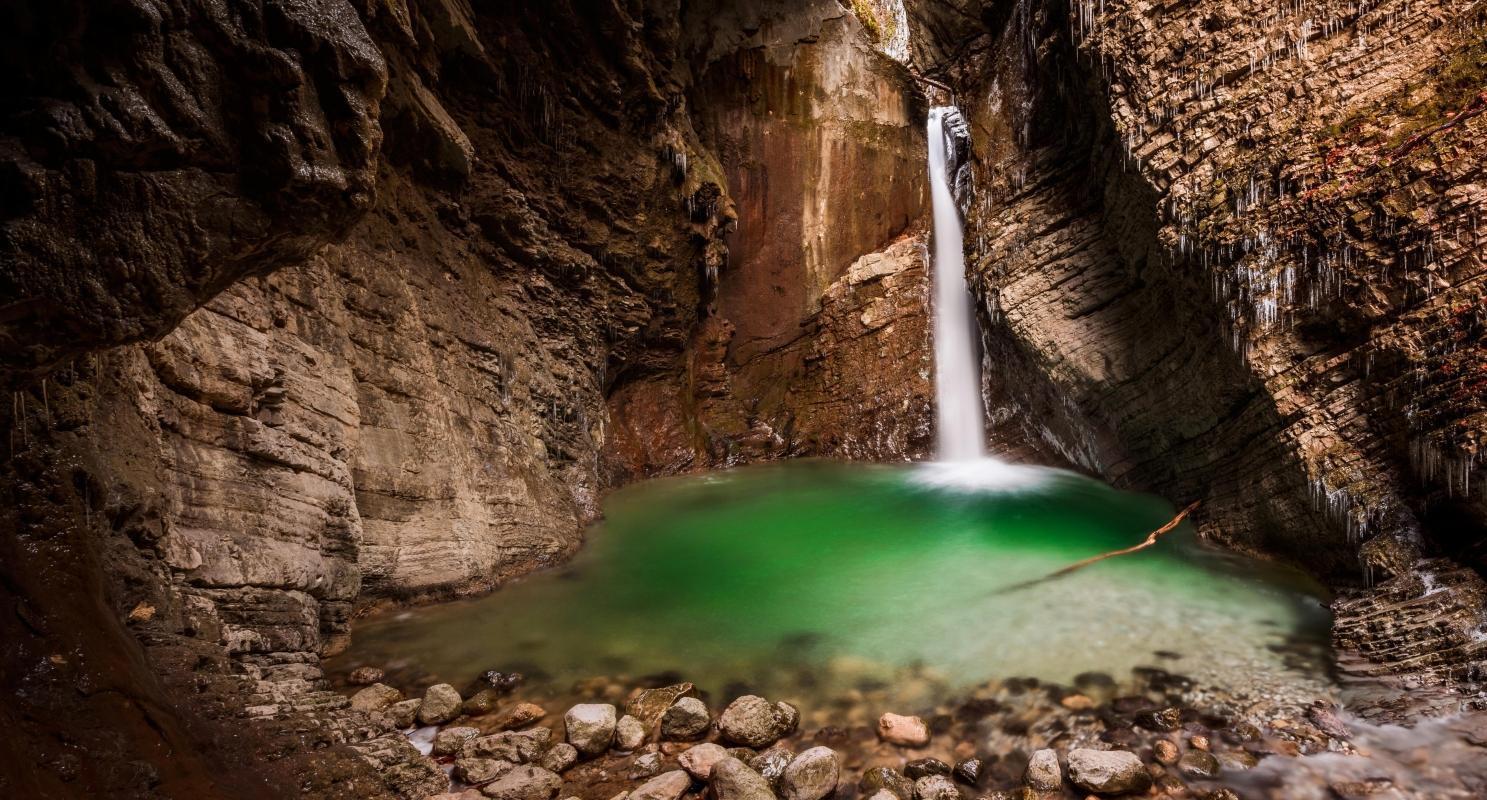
{"x": 812, "y": 580}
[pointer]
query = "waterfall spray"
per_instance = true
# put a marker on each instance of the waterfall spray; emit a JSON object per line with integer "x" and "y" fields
{"x": 958, "y": 412}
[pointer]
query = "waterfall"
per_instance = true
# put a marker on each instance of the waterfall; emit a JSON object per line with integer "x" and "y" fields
{"x": 958, "y": 422}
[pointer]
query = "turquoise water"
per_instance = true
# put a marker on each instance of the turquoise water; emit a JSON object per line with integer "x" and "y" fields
{"x": 808, "y": 579}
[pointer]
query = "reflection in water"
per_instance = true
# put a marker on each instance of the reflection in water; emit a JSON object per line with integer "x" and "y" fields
{"x": 806, "y": 580}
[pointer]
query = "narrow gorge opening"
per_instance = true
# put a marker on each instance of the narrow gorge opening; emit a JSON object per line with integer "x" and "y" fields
{"x": 705, "y": 400}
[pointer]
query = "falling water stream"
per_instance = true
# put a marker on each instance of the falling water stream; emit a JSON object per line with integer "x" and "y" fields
{"x": 958, "y": 422}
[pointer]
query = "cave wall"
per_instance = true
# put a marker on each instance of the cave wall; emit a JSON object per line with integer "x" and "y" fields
{"x": 270, "y": 387}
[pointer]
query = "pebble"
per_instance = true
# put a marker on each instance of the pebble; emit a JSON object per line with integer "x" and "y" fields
{"x": 733, "y": 780}
{"x": 559, "y": 758}
{"x": 935, "y": 787}
{"x": 1165, "y": 751}
{"x": 629, "y": 734}
{"x": 811, "y": 775}
{"x": 920, "y": 767}
{"x": 698, "y": 761}
{"x": 968, "y": 771}
{"x": 1198, "y": 764}
{"x": 687, "y": 718}
{"x": 753, "y": 721}
{"x": 903, "y": 731}
{"x": 886, "y": 779}
{"x": 590, "y": 727}
{"x": 771, "y": 763}
{"x": 1108, "y": 771}
{"x": 1043, "y": 773}
{"x": 666, "y": 786}
{"x": 376, "y": 697}
{"x": 402, "y": 714}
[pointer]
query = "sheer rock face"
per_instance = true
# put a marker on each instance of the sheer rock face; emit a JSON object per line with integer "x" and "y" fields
{"x": 1231, "y": 254}
{"x": 155, "y": 152}
{"x": 820, "y": 140}
{"x": 1236, "y": 271}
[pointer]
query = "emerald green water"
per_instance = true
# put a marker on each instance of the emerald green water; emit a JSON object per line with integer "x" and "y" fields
{"x": 807, "y": 579}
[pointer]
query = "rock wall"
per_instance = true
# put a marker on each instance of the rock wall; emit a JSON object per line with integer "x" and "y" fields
{"x": 1230, "y": 254}
{"x": 418, "y": 349}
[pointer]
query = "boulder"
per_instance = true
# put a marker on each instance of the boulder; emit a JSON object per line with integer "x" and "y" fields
{"x": 753, "y": 721}
{"x": 377, "y": 697}
{"x": 480, "y": 770}
{"x": 666, "y": 786}
{"x": 590, "y": 727}
{"x": 559, "y": 758}
{"x": 524, "y": 783}
{"x": 733, "y": 780}
{"x": 451, "y": 741}
{"x": 686, "y": 719}
{"x": 936, "y": 787}
{"x": 441, "y": 703}
{"x": 402, "y": 714}
{"x": 520, "y": 747}
{"x": 698, "y": 761}
{"x": 811, "y": 775}
{"x": 649, "y": 705}
{"x": 903, "y": 731}
{"x": 1043, "y": 773}
{"x": 1108, "y": 771}
{"x": 629, "y": 733}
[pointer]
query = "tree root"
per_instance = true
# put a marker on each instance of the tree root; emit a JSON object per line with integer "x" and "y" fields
{"x": 1151, "y": 539}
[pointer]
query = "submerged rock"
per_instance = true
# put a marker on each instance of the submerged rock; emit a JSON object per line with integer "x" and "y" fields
{"x": 1043, "y": 773}
{"x": 753, "y": 721}
{"x": 376, "y": 697}
{"x": 590, "y": 727}
{"x": 1108, "y": 771}
{"x": 698, "y": 761}
{"x": 666, "y": 786}
{"x": 524, "y": 783}
{"x": 687, "y": 718}
{"x": 1198, "y": 764}
{"x": 903, "y": 731}
{"x": 482, "y": 702}
{"x": 1164, "y": 751}
{"x": 733, "y": 780}
{"x": 811, "y": 775}
{"x": 1166, "y": 719}
{"x": 520, "y": 715}
{"x": 365, "y": 676}
{"x": 441, "y": 703}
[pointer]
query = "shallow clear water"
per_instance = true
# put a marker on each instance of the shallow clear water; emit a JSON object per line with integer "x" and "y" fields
{"x": 807, "y": 579}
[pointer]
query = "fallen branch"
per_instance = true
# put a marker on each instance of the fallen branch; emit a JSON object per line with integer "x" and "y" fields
{"x": 1151, "y": 539}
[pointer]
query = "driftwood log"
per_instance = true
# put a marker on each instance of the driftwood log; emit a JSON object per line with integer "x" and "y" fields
{"x": 1151, "y": 539}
